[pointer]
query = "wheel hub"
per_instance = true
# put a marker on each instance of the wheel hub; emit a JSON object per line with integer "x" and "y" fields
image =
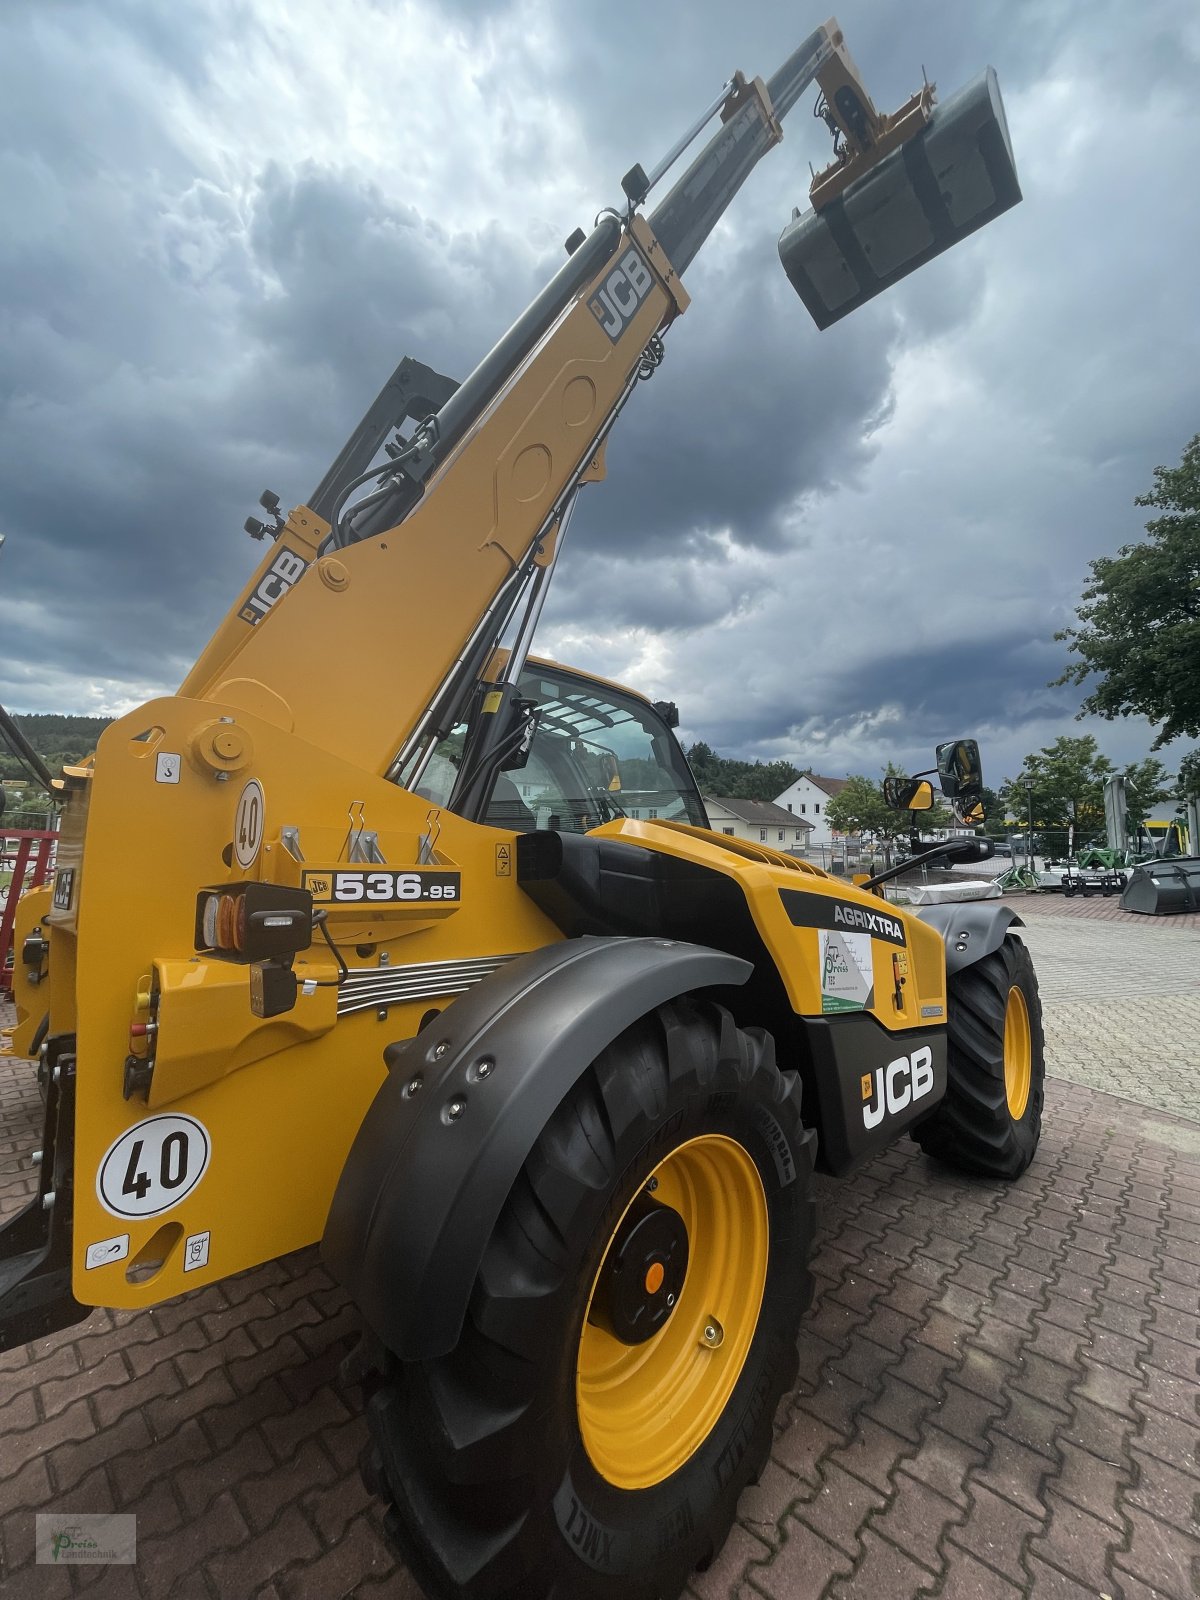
{"x": 646, "y": 1404}
{"x": 642, "y": 1276}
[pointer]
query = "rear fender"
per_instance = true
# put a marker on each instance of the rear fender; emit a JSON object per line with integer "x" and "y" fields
{"x": 461, "y": 1108}
{"x": 972, "y": 929}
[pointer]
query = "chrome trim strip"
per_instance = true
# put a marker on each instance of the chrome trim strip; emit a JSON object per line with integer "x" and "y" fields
{"x": 370, "y": 987}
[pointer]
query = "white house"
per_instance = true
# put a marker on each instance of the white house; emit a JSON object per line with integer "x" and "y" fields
{"x": 807, "y": 799}
{"x": 758, "y": 822}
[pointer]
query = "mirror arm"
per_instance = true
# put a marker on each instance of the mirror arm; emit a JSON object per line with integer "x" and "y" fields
{"x": 906, "y": 866}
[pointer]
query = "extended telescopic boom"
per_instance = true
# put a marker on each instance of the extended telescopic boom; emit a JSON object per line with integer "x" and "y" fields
{"x": 377, "y": 653}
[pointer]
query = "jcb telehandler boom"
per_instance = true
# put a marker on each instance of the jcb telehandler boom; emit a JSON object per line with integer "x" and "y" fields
{"x": 384, "y": 932}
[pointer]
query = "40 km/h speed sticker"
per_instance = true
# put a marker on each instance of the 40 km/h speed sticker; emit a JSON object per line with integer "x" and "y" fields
{"x": 248, "y": 824}
{"x": 152, "y": 1166}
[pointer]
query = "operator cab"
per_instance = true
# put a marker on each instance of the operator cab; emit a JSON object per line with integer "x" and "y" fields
{"x": 598, "y": 752}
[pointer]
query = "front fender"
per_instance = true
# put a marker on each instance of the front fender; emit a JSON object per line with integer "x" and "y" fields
{"x": 462, "y": 1106}
{"x": 972, "y": 929}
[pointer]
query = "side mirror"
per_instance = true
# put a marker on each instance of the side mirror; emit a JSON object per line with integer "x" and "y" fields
{"x": 960, "y": 769}
{"x": 970, "y": 812}
{"x": 908, "y": 794}
{"x": 610, "y": 773}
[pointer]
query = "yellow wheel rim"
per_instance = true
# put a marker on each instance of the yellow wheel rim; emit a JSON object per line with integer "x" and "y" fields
{"x": 644, "y": 1409}
{"x": 1018, "y": 1054}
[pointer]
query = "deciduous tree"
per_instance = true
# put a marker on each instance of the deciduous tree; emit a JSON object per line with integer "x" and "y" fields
{"x": 1140, "y": 634}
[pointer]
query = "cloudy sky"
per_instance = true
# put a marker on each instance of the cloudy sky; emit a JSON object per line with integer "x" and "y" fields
{"x": 226, "y": 220}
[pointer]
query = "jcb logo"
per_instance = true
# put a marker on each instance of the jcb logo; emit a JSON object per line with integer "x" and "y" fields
{"x": 626, "y": 286}
{"x": 286, "y": 569}
{"x": 897, "y": 1085}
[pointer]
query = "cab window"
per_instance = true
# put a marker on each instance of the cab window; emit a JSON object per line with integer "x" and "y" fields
{"x": 596, "y": 755}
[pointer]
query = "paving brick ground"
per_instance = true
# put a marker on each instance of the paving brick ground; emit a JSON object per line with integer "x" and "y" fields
{"x": 998, "y": 1394}
{"x": 1122, "y": 997}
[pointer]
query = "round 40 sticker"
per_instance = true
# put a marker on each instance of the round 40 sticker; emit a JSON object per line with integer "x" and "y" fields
{"x": 152, "y": 1166}
{"x": 248, "y": 824}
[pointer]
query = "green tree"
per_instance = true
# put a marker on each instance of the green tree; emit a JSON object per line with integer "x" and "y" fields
{"x": 993, "y": 813}
{"x": 1068, "y": 785}
{"x": 1141, "y": 614}
{"x": 1147, "y": 784}
{"x": 741, "y": 780}
{"x": 1187, "y": 784}
{"x": 1069, "y": 773}
{"x": 859, "y": 808}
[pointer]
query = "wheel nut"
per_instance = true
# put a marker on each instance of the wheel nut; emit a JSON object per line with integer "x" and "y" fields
{"x": 454, "y": 1110}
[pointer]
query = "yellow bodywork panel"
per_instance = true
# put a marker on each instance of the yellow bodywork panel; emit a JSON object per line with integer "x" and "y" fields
{"x": 799, "y": 952}
{"x": 264, "y": 1110}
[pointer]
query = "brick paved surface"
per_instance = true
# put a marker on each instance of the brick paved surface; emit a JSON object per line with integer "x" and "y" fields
{"x": 997, "y": 1397}
{"x": 1122, "y": 997}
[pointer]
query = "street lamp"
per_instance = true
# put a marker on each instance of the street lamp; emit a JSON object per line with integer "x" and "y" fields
{"x": 1027, "y": 783}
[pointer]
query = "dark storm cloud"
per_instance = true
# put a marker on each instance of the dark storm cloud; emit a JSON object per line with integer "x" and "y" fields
{"x": 227, "y": 226}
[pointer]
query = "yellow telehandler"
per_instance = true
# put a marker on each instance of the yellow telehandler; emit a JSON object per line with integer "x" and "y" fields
{"x": 386, "y": 933}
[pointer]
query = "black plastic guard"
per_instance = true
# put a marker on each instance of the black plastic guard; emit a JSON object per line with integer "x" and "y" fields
{"x": 35, "y": 1244}
{"x": 871, "y": 1085}
{"x": 431, "y": 1166}
{"x": 972, "y": 929}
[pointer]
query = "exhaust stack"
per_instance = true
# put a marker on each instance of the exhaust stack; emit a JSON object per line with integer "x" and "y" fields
{"x": 929, "y": 192}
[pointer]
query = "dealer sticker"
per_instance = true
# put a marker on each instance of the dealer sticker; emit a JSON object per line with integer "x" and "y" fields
{"x": 847, "y": 979}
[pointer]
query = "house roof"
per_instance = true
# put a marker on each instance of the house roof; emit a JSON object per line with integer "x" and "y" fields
{"x": 764, "y": 812}
{"x": 831, "y": 786}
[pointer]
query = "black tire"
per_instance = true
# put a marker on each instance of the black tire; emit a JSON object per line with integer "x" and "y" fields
{"x": 480, "y": 1453}
{"x": 974, "y": 1128}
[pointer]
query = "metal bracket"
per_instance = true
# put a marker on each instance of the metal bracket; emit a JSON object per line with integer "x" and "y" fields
{"x": 427, "y": 842}
{"x": 745, "y": 89}
{"x": 362, "y": 843}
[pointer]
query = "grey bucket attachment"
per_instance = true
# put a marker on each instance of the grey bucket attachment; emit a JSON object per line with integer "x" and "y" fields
{"x": 951, "y": 178}
{"x": 1164, "y": 888}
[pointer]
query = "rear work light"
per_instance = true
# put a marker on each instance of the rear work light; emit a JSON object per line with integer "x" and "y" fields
{"x": 253, "y": 922}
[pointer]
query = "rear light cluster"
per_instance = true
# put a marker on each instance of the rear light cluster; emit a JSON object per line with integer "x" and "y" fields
{"x": 253, "y": 921}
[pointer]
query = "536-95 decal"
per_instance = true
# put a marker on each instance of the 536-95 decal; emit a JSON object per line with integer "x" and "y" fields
{"x": 383, "y": 886}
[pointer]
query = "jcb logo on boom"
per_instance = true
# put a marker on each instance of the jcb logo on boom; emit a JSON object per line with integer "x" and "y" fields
{"x": 626, "y": 286}
{"x": 286, "y": 569}
{"x": 896, "y": 1086}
